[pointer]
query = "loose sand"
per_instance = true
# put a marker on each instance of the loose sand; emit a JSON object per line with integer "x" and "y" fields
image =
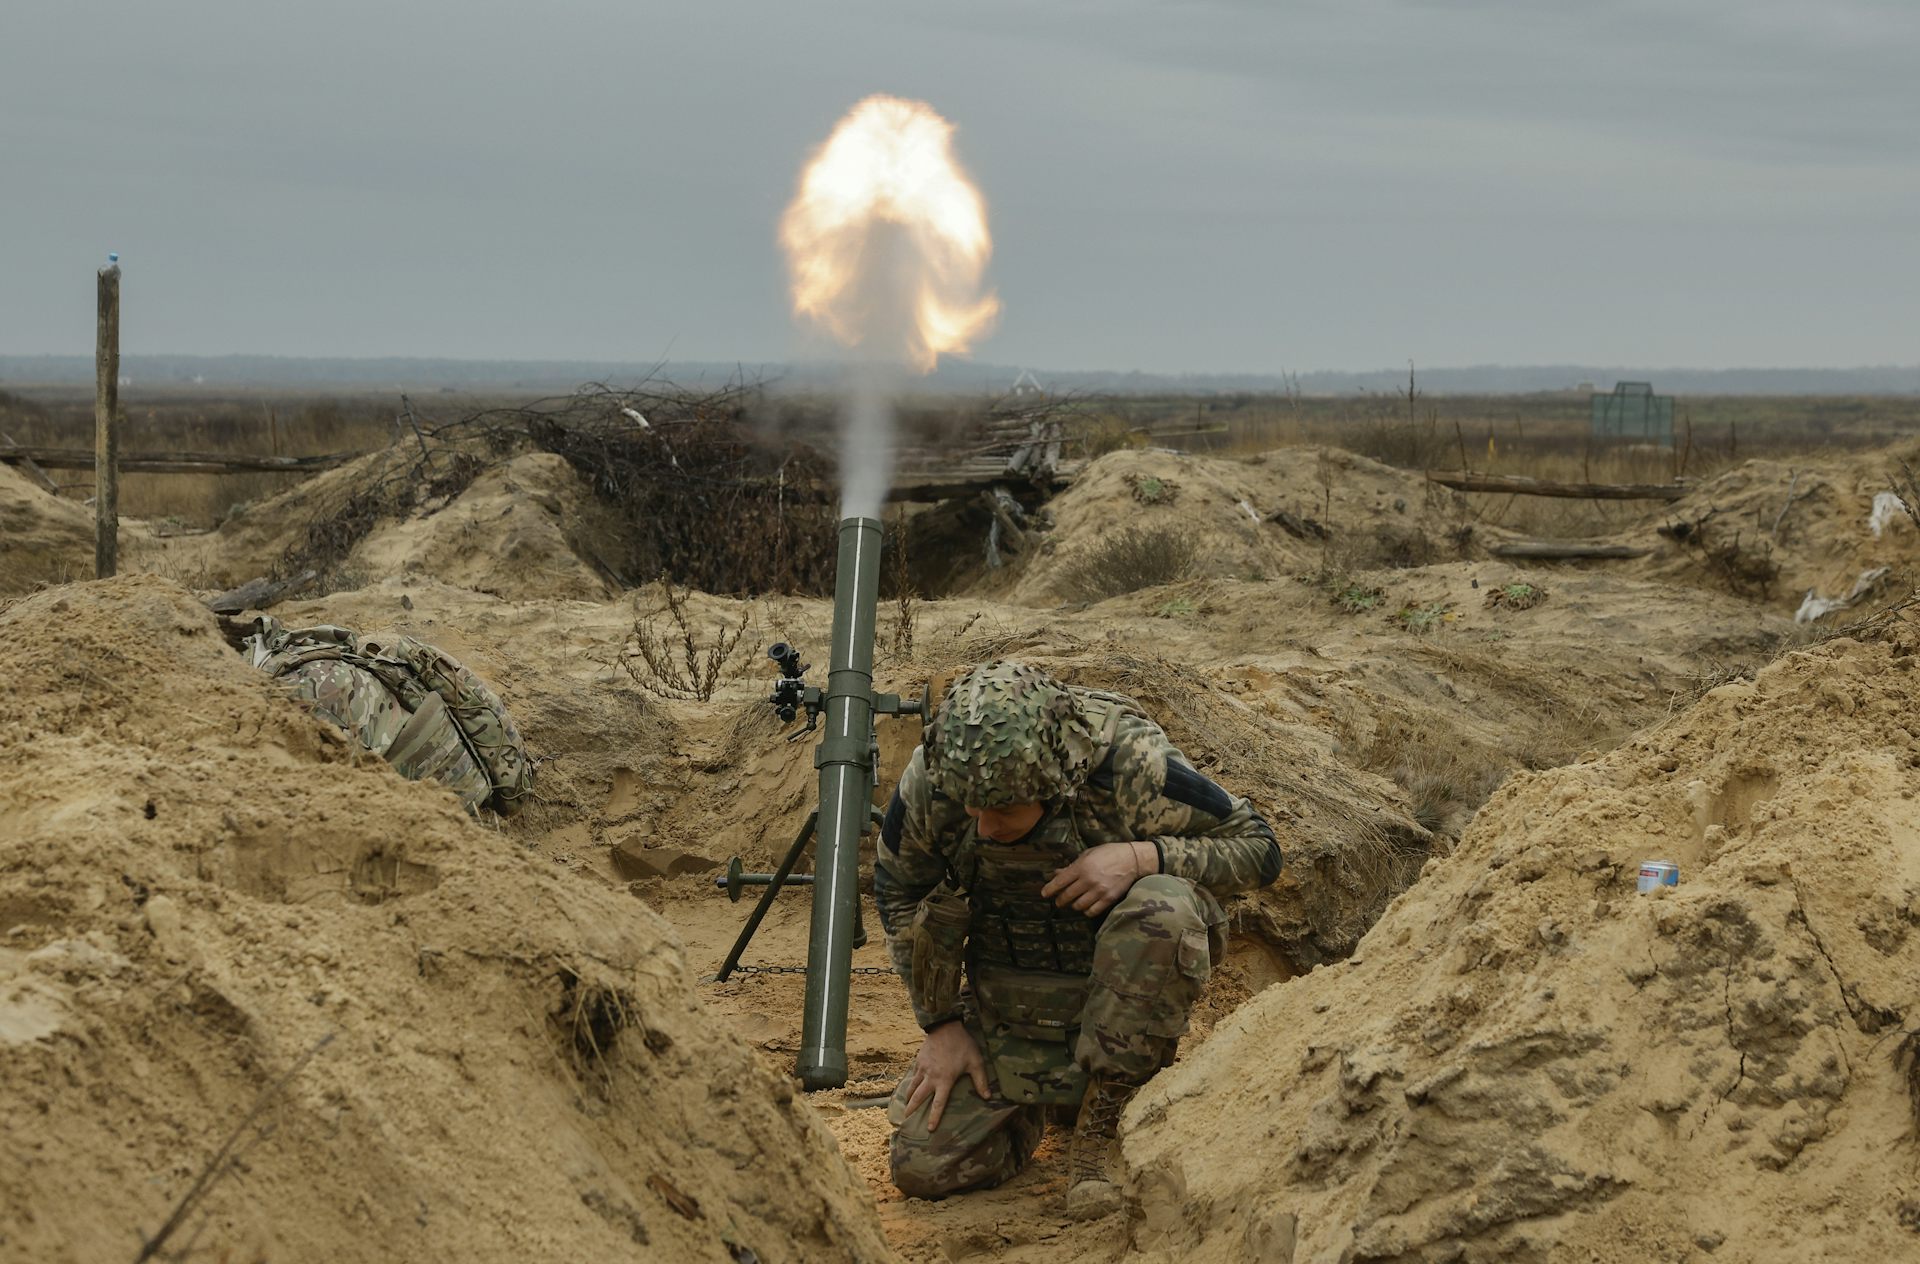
{"x": 1522, "y": 1060}
{"x": 1527, "y": 1060}
{"x": 200, "y": 883}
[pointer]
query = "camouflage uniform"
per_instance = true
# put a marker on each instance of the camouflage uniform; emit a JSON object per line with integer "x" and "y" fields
{"x": 404, "y": 701}
{"x": 1051, "y": 996}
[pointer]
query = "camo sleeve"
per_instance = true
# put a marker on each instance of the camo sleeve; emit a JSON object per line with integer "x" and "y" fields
{"x": 1215, "y": 839}
{"x": 909, "y": 871}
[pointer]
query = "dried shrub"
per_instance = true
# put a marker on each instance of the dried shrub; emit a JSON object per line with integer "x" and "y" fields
{"x": 693, "y": 491}
{"x": 1907, "y": 488}
{"x": 1090, "y": 434}
{"x": 667, "y": 657}
{"x": 1403, "y": 548}
{"x": 905, "y": 593}
{"x": 1149, "y": 490}
{"x": 1403, "y": 431}
{"x": 1743, "y": 565}
{"x": 1421, "y": 620}
{"x": 1445, "y": 781}
{"x": 1353, "y": 597}
{"x": 1516, "y": 596}
{"x": 1129, "y": 560}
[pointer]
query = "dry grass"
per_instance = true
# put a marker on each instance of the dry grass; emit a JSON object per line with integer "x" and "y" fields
{"x": 260, "y": 425}
{"x": 1540, "y": 436}
{"x": 1129, "y": 560}
{"x": 1543, "y": 436}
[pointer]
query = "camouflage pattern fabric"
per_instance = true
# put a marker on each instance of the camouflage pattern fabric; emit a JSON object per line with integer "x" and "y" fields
{"x": 978, "y": 1145}
{"x": 1151, "y": 960}
{"x": 1007, "y": 733}
{"x": 482, "y": 717}
{"x": 421, "y": 744}
{"x": 394, "y": 699}
{"x": 1140, "y": 788}
{"x": 1043, "y": 1030}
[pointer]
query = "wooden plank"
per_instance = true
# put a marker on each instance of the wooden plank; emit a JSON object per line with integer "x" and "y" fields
{"x": 1564, "y": 550}
{"x": 176, "y": 462}
{"x": 32, "y": 467}
{"x": 1514, "y": 485}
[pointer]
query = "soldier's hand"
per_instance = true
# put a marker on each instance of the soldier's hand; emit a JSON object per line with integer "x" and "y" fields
{"x": 945, "y": 1055}
{"x": 1097, "y": 880}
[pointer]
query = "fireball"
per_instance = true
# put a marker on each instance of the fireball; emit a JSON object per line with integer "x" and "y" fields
{"x": 886, "y": 238}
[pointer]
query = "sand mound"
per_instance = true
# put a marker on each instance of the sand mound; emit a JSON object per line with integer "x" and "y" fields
{"x": 1822, "y": 542}
{"x": 1526, "y": 1060}
{"x": 199, "y": 884}
{"x": 506, "y": 535}
{"x": 42, "y": 538}
{"x": 1257, "y": 517}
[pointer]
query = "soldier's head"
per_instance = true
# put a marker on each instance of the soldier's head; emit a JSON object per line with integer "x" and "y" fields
{"x": 1007, "y": 740}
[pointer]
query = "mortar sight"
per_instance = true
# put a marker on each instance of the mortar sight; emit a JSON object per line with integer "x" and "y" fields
{"x": 790, "y": 692}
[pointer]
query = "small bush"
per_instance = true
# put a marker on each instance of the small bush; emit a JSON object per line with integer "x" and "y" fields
{"x": 1354, "y": 597}
{"x": 1423, "y": 619}
{"x": 1515, "y": 597}
{"x": 1149, "y": 490}
{"x": 1129, "y": 560}
{"x": 667, "y": 657}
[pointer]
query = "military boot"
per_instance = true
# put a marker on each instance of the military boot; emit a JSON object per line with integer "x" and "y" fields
{"x": 1092, "y": 1191}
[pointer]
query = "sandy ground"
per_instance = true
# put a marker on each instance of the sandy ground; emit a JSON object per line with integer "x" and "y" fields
{"x": 1371, "y": 739}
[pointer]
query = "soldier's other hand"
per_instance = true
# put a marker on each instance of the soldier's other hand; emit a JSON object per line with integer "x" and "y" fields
{"x": 947, "y": 1053}
{"x": 1097, "y": 880}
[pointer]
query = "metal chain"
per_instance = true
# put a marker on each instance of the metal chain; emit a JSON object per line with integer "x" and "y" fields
{"x": 744, "y": 969}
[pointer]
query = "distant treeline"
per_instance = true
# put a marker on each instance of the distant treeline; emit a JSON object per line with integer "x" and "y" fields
{"x": 540, "y": 376}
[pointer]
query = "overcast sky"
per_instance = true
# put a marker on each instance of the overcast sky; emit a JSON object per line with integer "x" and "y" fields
{"x": 1249, "y": 186}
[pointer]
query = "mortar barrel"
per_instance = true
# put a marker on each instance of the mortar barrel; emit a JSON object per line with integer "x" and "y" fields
{"x": 844, "y": 758}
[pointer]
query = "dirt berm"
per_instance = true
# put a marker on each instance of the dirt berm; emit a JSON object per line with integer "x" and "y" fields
{"x": 219, "y": 921}
{"x": 1525, "y": 1060}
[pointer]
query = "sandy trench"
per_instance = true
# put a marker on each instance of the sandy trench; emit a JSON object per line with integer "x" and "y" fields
{"x": 1265, "y": 682}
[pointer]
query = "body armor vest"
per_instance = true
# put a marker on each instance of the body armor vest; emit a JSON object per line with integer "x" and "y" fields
{"x": 1030, "y": 961}
{"x": 1013, "y": 925}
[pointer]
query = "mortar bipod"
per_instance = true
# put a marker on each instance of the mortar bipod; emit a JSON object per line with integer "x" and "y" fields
{"x": 779, "y": 878}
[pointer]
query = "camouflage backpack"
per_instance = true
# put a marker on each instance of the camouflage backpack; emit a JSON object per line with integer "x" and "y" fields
{"x": 405, "y": 701}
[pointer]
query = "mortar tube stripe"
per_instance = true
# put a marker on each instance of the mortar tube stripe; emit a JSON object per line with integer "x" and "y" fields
{"x": 853, "y": 633}
{"x": 833, "y": 890}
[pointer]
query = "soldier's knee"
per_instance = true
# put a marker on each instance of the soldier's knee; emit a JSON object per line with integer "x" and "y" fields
{"x": 918, "y": 1179}
{"x": 1168, "y": 903}
{"x": 923, "y": 1169}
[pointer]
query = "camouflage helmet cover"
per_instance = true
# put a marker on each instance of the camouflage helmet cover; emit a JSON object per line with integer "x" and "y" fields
{"x": 1008, "y": 733}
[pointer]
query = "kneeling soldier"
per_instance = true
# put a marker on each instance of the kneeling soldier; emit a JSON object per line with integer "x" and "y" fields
{"x": 1050, "y": 848}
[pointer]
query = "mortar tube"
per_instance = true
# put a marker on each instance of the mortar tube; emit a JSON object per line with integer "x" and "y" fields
{"x": 844, "y": 758}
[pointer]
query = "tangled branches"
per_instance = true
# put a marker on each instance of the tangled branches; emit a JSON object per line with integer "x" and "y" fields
{"x": 668, "y": 658}
{"x": 726, "y": 491}
{"x": 688, "y": 488}
{"x": 1745, "y": 566}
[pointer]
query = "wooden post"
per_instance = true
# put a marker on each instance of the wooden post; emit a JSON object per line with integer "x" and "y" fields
{"x": 106, "y": 426}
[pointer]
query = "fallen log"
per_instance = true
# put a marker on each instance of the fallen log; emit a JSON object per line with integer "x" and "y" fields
{"x": 1515, "y": 485}
{"x": 174, "y": 462}
{"x": 258, "y": 594}
{"x": 1003, "y": 506}
{"x": 1564, "y": 550}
